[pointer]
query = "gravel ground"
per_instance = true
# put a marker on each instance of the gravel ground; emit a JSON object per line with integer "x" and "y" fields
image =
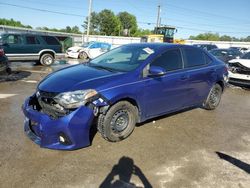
{"x": 195, "y": 148}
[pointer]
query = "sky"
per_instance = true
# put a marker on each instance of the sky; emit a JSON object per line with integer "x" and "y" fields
{"x": 191, "y": 17}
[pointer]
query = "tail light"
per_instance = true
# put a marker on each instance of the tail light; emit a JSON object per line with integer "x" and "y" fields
{"x": 1, "y": 52}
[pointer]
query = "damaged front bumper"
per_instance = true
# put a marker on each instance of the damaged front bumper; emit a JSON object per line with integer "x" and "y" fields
{"x": 69, "y": 132}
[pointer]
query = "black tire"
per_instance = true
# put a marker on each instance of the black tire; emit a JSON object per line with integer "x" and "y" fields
{"x": 8, "y": 70}
{"x": 47, "y": 59}
{"x": 83, "y": 55}
{"x": 119, "y": 121}
{"x": 214, "y": 97}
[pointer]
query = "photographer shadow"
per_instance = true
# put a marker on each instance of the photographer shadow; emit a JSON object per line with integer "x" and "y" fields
{"x": 121, "y": 173}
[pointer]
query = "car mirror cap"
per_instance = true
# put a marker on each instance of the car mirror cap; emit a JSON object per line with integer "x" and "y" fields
{"x": 155, "y": 71}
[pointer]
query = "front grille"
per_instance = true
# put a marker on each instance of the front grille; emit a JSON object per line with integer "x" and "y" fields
{"x": 45, "y": 103}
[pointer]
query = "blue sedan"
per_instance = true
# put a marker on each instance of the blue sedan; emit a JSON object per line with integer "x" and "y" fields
{"x": 120, "y": 88}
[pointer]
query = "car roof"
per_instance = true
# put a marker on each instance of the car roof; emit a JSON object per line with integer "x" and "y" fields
{"x": 34, "y": 34}
{"x": 156, "y": 45}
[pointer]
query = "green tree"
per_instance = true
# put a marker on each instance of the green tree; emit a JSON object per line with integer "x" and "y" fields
{"x": 142, "y": 32}
{"x": 13, "y": 23}
{"x": 225, "y": 38}
{"x": 109, "y": 23}
{"x": 247, "y": 39}
{"x": 128, "y": 22}
{"x": 206, "y": 36}
{"x": 94, "y": 24}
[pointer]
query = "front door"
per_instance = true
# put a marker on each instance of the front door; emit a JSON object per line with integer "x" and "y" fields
{"x": 166, "y": 93}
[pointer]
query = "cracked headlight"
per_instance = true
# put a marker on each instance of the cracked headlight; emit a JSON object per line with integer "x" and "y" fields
{"x": 75, "y": 99}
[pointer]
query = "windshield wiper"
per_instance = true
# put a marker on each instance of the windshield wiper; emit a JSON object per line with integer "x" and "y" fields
{"x": 102, "y": 67}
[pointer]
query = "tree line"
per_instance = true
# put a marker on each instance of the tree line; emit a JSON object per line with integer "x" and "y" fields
{"x": 217, "y": 37}
{"x": 106, "y": 22}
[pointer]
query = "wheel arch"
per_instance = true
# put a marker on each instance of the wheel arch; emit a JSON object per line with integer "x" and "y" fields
{"x": 222, "y": 84}
{"x": 131, "y": 100}
{"x": 47, "y": 51}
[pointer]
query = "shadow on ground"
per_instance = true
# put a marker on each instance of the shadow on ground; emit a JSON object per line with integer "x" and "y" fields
{"x": 236, "y": 162}
{"x": 121, "y": 174}
{"x": 14, "y": 76}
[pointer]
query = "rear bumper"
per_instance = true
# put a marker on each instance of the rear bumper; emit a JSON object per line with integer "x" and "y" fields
{"x": 44, "y": 131}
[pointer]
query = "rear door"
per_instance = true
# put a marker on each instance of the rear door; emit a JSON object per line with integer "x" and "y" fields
{"x": 197, "y": 65}
{"x": 33, "y": 45}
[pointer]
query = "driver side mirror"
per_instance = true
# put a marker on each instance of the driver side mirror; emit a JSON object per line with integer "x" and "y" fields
{"x": 155, "y": 71}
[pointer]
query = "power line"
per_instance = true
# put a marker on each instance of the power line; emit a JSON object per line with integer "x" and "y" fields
{"x": 207, "y": 13}
{"x": 195, "y": 29}
{"x": 43, "y": 10}
{"x": 147, "y": 23}
{"x": 50, "y": 4}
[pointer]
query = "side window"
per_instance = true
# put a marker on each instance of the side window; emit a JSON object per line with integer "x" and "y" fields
{"x": 194, "y": 57}
{"x": 50, "y": 40}
{"x": 95, "y": 45}
{"x": 105, "y": 46}
{"x": 32, "y": 40}
{"x": 13, "y": 39}
{"x": 170, "y": 60}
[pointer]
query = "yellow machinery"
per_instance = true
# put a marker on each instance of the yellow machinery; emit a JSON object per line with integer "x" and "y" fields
{"x": 163, "y": 34}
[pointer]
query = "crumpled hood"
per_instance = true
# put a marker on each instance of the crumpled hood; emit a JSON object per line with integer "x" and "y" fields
{"x": 244, "y": 62}
{"x": 76, "y": 77}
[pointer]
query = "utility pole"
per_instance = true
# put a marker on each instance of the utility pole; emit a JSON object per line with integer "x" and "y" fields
{"x": 89, "y": 19}
{"x": 158, "y": 16}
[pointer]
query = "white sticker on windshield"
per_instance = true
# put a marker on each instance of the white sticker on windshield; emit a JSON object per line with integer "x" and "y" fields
{"x": 148, "y": 50}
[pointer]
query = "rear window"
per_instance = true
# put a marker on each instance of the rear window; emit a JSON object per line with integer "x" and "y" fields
{"x": 194, "y": 57}
{"x": 50, "y": 40}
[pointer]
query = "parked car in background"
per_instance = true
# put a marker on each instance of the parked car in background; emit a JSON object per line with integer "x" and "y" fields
{"x": 241, "y": 49}
{"x": 30, "y": 47}
{"x": 125, "y": 86}
{"x": 207, "y": 47}
{"x": 88, "y": 50}
{"x": 4, "y": 63}
{"x": 225, "y": 54}
{"x": 239, "y": 70}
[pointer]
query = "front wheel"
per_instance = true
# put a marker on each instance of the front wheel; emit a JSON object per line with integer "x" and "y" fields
{"x": 119, "y": 122}
{"x": 47, "y": 59}
{"x": 83, "y": 55}
{"x": 213, "y": 98}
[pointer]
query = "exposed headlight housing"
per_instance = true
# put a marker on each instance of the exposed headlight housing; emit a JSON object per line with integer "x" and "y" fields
{"x": 75, "y": 99}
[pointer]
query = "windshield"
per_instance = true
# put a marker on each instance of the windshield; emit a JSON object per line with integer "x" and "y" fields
{"x": 85, "y": 45}
{"x": 122, "y": 59}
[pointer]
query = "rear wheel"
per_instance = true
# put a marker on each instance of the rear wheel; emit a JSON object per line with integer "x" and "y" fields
{"x": 119, "y": 122}
{"x": 213, "y": 98}
{"x": 47, "y": 59}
